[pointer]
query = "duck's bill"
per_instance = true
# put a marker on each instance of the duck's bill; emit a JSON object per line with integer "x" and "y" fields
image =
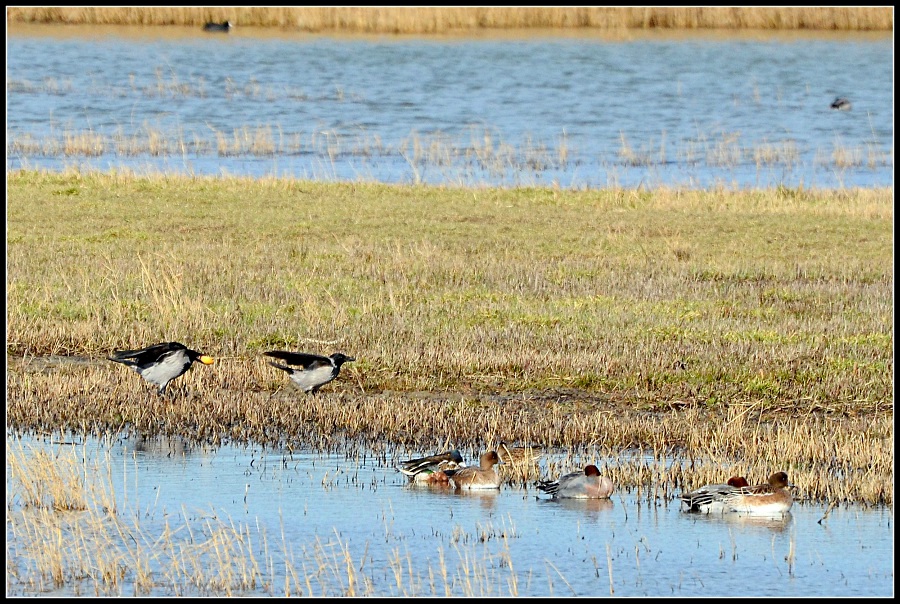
{"x": 206, "y": 360}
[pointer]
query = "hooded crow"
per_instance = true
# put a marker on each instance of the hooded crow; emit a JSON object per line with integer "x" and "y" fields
{"x": 312, "y": 371}
{"x": 161, "y": 363}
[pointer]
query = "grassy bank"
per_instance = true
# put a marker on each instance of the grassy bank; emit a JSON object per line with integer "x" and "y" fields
{"x": 419, "y": 20}
{"x": 576, "y": 319}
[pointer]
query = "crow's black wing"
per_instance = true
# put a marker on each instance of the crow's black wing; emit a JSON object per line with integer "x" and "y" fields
{"x": 146, "y": 355}
{"x": 301, "y": 359}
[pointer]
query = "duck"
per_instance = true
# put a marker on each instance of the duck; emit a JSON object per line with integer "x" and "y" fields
{"x": 519, "y": 455}
{"x": 706, "y": 496}
{"x": 737, "y": 481}
{"x": 587, "y": 484}
{"x": 709, "y": 498}
{"x": 485, "y": 476}
{"x": 841, "y": 104}
{"x": 769, "y": 498}
{"x": 161, "y": 363}
{"x": 224, "y": 26}
{"x": 431, "y": 469}
{"x": 311, "y": 371}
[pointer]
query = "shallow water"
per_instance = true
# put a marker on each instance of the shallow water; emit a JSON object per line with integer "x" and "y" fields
{"x": 543, "y": 109}
{"x": 313, "y": 512}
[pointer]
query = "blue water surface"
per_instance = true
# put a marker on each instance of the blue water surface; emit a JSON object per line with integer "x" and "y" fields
{"x": 317, "y": 510}
{"x": 570, "y": 111}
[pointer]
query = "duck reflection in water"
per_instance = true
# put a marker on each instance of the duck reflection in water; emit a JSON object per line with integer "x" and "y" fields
{"x": 581, "y": 505}
{"x": 486, "y": 497}
{"x": 775, "y": 524}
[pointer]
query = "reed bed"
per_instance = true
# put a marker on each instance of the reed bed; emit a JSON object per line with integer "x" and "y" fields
{"x": 432, "y": 20}
{"x": 715, "y": 328}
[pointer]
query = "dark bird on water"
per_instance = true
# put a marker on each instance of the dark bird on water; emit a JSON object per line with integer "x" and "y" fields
{"x": 841, "y": 103}
{"x": 161, "y": 363}
{"x": 224, "y": 26}
{"x": 310, "y": 371}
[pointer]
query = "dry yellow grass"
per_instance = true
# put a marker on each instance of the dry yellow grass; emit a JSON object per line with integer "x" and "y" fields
{"x": 429, "y": 20}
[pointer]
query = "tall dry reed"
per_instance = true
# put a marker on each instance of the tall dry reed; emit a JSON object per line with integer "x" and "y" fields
{"x": 422, "y": 20}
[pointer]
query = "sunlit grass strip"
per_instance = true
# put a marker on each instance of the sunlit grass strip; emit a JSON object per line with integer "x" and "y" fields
{"x": 400, "y": 20}
{"x": 104, "y": 551}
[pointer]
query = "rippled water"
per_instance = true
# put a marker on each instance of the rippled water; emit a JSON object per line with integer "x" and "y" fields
{"x": 553, "y": 108}
{"x": 578, "y": 111}
{"x": 317, "y": 511}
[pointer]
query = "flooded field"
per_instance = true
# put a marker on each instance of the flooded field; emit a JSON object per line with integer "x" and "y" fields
{"x": 546, "y": 108}
{"x": 178, "y": 519}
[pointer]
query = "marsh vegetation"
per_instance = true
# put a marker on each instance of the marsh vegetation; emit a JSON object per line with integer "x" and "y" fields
{"x": 71, "y": 532}
{"x": 480, "y": 149}
{"x": 416, "y": 20}
{"x": 674, "y": 322}
{"x": 159, "y": 516}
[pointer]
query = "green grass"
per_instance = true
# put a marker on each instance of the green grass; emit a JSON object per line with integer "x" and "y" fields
{"x": 540, "y": 287}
